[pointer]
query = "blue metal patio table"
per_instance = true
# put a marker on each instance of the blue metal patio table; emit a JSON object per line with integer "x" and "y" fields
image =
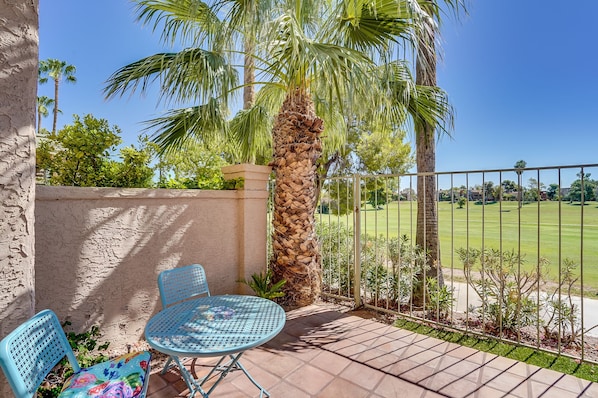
{"x": 215, "y": 326}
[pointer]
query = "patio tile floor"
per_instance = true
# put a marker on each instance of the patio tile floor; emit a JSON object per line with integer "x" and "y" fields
{"x": 326, "y": 351}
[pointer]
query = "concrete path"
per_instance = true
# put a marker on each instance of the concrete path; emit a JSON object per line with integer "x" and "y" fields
{"x": 465, "y": 295}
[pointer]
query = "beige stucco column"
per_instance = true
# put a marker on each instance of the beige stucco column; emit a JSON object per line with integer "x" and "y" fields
{"x": 18, "y": 92}
{"x": 253, "y": 200}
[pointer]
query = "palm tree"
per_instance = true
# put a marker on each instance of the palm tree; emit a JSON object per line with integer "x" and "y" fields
{"x": 425, "y": 143}
{"x": 57, "y": 71}
{"x": 317, "y": 63}
{"x": 519, "y": 167}
{"x": 43, "y": 103}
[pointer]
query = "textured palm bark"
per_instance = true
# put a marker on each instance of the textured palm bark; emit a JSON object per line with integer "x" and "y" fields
{"x": 427, "y": 217}
{"x": 297, "y": 148}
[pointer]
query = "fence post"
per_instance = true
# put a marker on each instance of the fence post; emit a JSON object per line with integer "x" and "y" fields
{"x": 357, "y": 238}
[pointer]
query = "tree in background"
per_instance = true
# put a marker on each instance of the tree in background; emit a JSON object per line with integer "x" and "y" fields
{"x": 57, "y": 71}
{"x": 43, "y": 103}
{"x": 80, "y": 155}
{"x": 584, "y": 184}
{"x": 194, "y": 167}
{"x": 553, "y": 192}
{"x": 533, "y": 194}
{"x": 519, "y": 167}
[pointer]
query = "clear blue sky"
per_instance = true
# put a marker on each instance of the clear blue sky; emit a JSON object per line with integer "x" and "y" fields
{"x": 521, "y": 74}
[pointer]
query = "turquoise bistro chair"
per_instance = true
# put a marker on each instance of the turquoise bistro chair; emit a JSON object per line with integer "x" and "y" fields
{"x": 30, "y": 352}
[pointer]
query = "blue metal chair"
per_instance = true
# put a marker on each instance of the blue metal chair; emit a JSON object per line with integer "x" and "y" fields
{"x": 30, "y": 352}
{"x": 180, "y": 284}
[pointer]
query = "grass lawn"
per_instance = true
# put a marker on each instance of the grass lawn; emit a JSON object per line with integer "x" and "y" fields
{"x": 534, "y": 230}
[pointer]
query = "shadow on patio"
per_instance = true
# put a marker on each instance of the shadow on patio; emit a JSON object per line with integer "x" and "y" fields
{"x": 326, "y": 351}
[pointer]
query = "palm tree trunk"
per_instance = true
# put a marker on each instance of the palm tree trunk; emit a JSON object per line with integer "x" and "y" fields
{"x": 248, "y": 75}
{"x": 427, "y": 217}
{"x": 55, "y": 107}
{"x": 297, "y": 148}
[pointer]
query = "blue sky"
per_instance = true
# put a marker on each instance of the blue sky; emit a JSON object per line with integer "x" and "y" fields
{"x": 521, "y": 74}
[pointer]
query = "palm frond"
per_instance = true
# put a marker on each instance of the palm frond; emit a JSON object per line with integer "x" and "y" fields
{"x": 180, "y": 20}
{"x": 189, "y": 75}
{"x": 250, "y": 130}
{"x": 367, "y": 24}
{"x": 204, "y": 123}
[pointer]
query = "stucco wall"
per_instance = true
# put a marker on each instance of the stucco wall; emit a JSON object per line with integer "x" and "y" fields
{"x": 100, "y": 250}
{"x": 18, "y": 91}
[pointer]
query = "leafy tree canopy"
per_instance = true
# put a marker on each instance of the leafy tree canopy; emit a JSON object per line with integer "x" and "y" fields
{"x": 588, "y": 189}
{"x": 195, "y": 166}
{"x": 80, "y": 155}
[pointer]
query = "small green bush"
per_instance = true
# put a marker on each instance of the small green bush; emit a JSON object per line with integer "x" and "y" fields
{"x": 263, "y": 286}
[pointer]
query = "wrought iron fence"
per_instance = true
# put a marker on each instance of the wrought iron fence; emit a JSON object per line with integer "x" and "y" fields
{"x": 517, "y": 259}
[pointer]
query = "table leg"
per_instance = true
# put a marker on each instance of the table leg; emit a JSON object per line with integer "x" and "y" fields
{"x": 196, "y": 386}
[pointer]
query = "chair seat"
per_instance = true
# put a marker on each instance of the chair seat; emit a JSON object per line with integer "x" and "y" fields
{"x": 122, "y": 377}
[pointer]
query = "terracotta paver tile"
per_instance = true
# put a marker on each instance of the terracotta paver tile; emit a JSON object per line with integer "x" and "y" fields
{"x": 390, "y": 345}
{"x": 554, "y": 392}
{"x": 392, "y": 387}
{"x": 501, "y": 363}
{"x": 310, "y": 378}
{"x": 438, "y": 381}
{"x": 168, "y": 392}
{"x": 547, "y": 376}
{"x": 523, "y": 369}
{"x": 330, "y": 362}
{"x": 424, "y": 357}
{"x": 432, "y": 394}
{"x": 362, "y": 336}
{"x": 418, "y": 374}
{"x": 352, "y": 350}
{"x": 460, "y": 352}
{"x": 369, "y": 355}
{"x": 340, "y": 388}
{"x": 242, "y": 382}
{"x": 461, "y": 368}
{"x": 362, "y": 375}
{"x": 156, "y": 383}
{"x": 459, "y": 388}
{"x": 280, "y": 365}
{"x": 489, "y": 392}
{"x": 571, "y": 383}
{"x": 506, "y": 381}
{"x": 378, "y": 359}
{"x": 523, "y": 390}
{"x": 288, "y": 390}
{"x": 591, "y": 391}
{"x": 432, "y": 344}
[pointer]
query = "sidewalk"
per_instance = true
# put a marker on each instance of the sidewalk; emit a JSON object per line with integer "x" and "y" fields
{"x": 465, "y": 294}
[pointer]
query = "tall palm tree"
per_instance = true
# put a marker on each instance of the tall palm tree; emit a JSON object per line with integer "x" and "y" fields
{"x": 425, "y": 143}
{"x": 316, "y": 63}
{"x": 57, "y": 71}
{"x": 43, "y": 103}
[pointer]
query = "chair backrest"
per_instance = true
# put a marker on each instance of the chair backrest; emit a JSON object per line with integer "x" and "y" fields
{"x": 182, "y": 283}
{"x": 30, "y": 351}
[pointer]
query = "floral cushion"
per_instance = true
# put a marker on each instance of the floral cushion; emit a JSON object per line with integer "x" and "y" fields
{"x": 121, "y": 377}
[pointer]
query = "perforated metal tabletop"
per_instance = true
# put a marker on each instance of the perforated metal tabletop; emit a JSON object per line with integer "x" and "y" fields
{"x": 214, "y": 326}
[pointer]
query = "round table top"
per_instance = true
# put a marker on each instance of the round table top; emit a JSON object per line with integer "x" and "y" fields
{"x": 214, "y": 325}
